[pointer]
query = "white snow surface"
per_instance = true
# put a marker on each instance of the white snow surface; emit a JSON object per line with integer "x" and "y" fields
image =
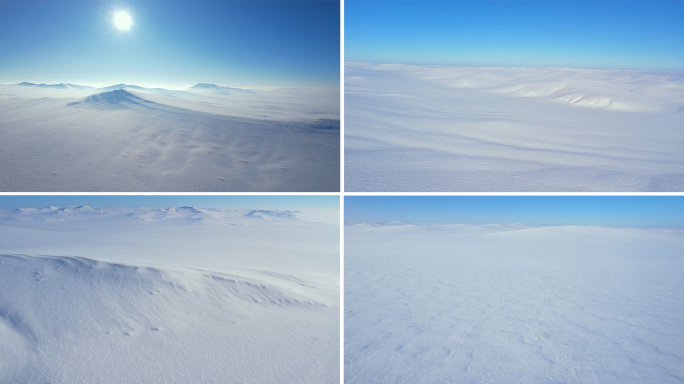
{"x": 62, "y": 137}
{"x": 513, "y": 304}
{"x": 177, "y": 295}
{"x": 433, "y": 128}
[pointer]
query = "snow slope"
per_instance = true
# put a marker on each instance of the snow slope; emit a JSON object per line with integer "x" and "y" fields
{"x": 508, "y": 304}
{"x": 173, "y": 295}
{"x": 130, "y": 138}
{"x": 430, "y": 128}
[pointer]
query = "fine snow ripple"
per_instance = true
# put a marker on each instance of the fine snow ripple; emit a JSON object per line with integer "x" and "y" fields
{"x": 450, "y": 304}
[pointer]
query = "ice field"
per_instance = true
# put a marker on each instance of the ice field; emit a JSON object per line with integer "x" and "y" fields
{"x": 430, "y": 128}
{"x": 65, "y": 137}
{"x": 177, "y": 295}
{"x": 513, "y": 304}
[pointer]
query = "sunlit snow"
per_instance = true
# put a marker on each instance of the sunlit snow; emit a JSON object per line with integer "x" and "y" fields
{"x": 513, "y": 304}
{"x": 66, "y": 137}
{"x": 177, "y": 295}
{"x": 432, "y": 128}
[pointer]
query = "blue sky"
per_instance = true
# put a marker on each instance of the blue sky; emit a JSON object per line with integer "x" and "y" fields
{"x": 172, "y": 43}
{"x": 577, "y": 34}
{"x": 281, "y": 202}
{"x": 618, "y": 211}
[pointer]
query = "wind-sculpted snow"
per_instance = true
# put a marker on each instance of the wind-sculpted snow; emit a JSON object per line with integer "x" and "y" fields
{"x": 173, "y": 295}
{"x": 130, "y": 138}
{"x": 76, "y": 320}
{"x": 509, "y": 304}
{"x": 429, "y": 128}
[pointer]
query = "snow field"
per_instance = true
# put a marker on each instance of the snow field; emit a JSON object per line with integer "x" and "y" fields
{"x": 133, "y": 140}
{"x": 429, "y": 128}
{"x": 143, "y": 308}
{"x": 478, "y": 304}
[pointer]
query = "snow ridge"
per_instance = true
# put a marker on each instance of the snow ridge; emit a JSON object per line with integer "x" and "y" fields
{"x": 71, "y": 319}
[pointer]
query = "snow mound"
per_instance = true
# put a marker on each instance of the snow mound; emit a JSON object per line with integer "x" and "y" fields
{"x": 271, "y": 214}
{"x": 73, "y": 319}
{"x": 532, "y": 90}
{"x": 205, "y": 86}
{"x": 594, "y": 101}
{"x": 564, "y": 92}
{"x": 116, "y": 99}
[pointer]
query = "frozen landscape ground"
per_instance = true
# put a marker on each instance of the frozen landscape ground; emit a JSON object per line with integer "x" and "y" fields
{"x": 513, "y": 304}
{"x": 177, "y": 295}
{"x": 431, "y": 128}
{"x": 65, "y": 137}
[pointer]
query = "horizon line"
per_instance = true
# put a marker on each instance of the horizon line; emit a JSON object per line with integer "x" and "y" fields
{"x": 513, "y": 66}
{"x": 169, "y": 87}
{"x": 404, "y": 223}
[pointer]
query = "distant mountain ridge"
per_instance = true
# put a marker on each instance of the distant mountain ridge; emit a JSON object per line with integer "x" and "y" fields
{"x": 198, "y": 86}
{"x": 220, "y": 88}
{"x": 181, "y": 215}
{"x": 56, "y": 86}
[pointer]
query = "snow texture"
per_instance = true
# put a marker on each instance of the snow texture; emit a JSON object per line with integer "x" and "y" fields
{"x": 64, "y": 137}
{"x": 510, "y": 304}
{"x": 429, "y": 128}
{"x": 177, "y": 295}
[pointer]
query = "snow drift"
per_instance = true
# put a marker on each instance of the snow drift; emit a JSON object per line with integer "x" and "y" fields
{"x": 130, "y": 138}
{"x": 509, "y": 304}
{"x": 429, "y": 128}
{"x": 171, "y": 295}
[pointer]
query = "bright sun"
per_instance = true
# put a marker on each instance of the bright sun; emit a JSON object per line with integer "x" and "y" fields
{"x": 123, "y": 21}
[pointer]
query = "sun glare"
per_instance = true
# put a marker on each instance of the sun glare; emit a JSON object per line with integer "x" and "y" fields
{"x": 123, "y": 21}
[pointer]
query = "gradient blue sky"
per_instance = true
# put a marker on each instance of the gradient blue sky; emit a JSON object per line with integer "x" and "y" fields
{"x": 281, "y": 202}
{"x": 577, "y": 34}
{"x": 172, "y": 43}
{"x": 618, "y": 211}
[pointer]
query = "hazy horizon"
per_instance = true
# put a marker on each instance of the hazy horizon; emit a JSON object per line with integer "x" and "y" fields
{"x": 493, "y": 66}
{"x": 606, "y": 211}
{"x": 170, "y": 87}
{"x": 165, "y": 201}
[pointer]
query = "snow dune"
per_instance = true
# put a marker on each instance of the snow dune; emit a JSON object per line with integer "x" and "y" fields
{"x": 508, "y": 304}
{"x": 130, "y": 138}
{"x": 429, "y": 128}
{"x": 171, "y": 295}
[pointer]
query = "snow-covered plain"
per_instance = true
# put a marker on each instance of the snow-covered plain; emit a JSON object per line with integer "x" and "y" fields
{"x": 513, "y": 304}
{"x": 65, "y": 137}
{"x": 177, "y": 295}
{"x": 431, "y": 128}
